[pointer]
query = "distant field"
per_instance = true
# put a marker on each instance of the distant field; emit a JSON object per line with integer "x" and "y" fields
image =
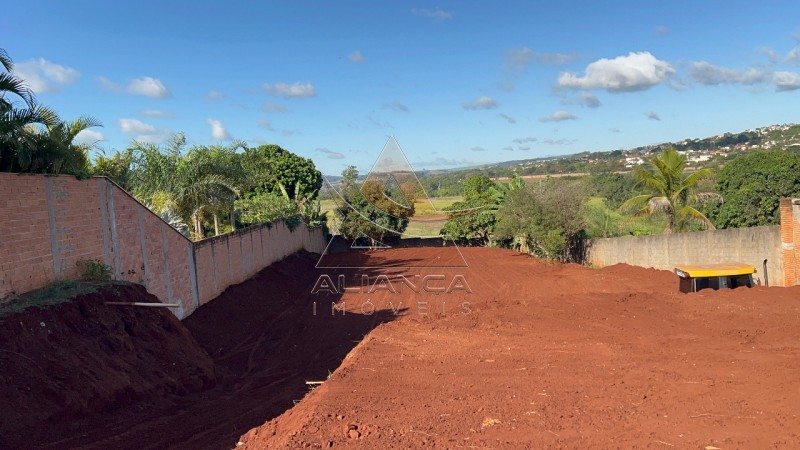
{"x": 424, "y": 211}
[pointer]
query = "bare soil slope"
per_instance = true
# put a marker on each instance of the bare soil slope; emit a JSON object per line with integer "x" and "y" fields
{"x": 561, "y": 356}
{"x": 535, "y": 356}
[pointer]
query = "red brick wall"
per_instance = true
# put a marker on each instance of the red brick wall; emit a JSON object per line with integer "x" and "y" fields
{"x": 790, "y": 240}
{"x": 48, "y": 224}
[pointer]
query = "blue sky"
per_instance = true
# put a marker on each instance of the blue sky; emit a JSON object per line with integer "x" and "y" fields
{"x": 457, "y": 83}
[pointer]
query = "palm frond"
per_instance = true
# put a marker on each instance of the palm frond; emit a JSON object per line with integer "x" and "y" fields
{"x": 635, "y": 203}
{"x": 688, "y": 213}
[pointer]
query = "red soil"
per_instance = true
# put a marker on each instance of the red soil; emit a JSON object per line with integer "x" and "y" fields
{"x": 62, "y": 364}
{"x": 539, "y": 356}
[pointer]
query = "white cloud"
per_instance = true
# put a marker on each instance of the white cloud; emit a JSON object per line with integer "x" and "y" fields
{"x": 562, "y": 141}
{"x": 558, "y": 116}
{"x": 442, "y": 162}
{"x": 662, "y": 30}
{"x": 482, "y": 102}
{"x": 108, "y": 84}
{"x": 143, "y": 132}
{"x": 615, "y": 130}
{"x": 651, "y": 115}
{"x": 42, "y": 75}
{"x": 356, "y": 57}
{"x": 708, "y": 74}
{"x": 331, "y": 154}
{"x": 519, "y": 59}
{"x": 294, "y": 90}
{"x": 89, "y": 136}
{"x": 634, "y": 72}
{"x": 266, "y": 124}
{"x": 786, "y": 81}
{"x": 395, "y": 106}
{"x": 478, "y": 149}
{"x": 213, "y": 95}
{"x": 586, "y": 99}
{"x": 274, "y": 107}
{"x": 135, "y": 126}
{"x": 149, "y": 87}
{"x": 525, "y": 140}
{"x": 157, "y": 114}
{"x": 379, "y": 123}
{"x": 436, "y": 14}
{"x": 508, "y": 118}
{"x": 218, "y": 130}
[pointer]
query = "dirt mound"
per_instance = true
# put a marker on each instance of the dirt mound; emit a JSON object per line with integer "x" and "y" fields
{"x": 507, "y": 352}
{"x": 265, "y": 341}
{"x": 562, "y": 356}
{"x": 61, "y": 363}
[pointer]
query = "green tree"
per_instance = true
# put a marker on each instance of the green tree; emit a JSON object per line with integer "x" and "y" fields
{"x": 369, "y": 210}
{"x": 475, "y": 217}
{"x": 669, "y": 190}
{"x": 189, "y": 185}
{"x": 270, "y": 168}
{"x": 545, "y": 220}
{"x": 116, "y": 167}
{"x": 15, "y": 145}
{"x": 752, "y": 186}
{"x": 51, "y": 148}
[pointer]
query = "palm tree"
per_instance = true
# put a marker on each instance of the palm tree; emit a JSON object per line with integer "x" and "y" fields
{"x": 14, "y": 119}
{"x": 670, "y": 191}
{"x": 52, "y": 148}
{"x": 201, "y": 181}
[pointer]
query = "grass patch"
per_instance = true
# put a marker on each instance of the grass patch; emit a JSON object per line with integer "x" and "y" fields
{"x": 53, "y": 294}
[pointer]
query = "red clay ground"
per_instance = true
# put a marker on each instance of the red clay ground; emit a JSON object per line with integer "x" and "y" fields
{"x": 541, "y": 356}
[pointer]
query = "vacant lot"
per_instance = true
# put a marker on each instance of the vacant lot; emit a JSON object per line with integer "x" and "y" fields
{"x": 535, "y": 356}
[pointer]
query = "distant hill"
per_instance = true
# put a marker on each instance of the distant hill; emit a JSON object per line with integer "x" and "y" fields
{"x": 708, "y": 151}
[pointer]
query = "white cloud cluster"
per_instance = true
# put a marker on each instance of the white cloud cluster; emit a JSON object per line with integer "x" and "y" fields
{"x": 635, "y": 72}
{"x": 266, "y": 124}
{"x": 395, "y": 106}
{"x": 652, "y": 115}
{"x": 149, "y": 87}
{"x": 482, "y": 102}
{"x": 157, "y": 114}
{"x": 213, "y": 95}
{"x": 146, "y": 86}
{"x": 586, "y": 99}
{"x": 708, "y": 74}
{"x": 89, "y": 136}
{"x": 786, "y": 81}
{"x": 42, "y": 75}
{"x": 218, "y": 130}
{"x": 294, "y": 90}
{"x": 274, "y": 107}
{"x": 436, "y": 14}
{"x": 791, "y": 58}
{"x": 330, "y": 153}
{"x": 520, "y": 58}
{"x": 356, "y": 57}
{"x": 558, "y": 116}
{"x": 142, "y": 132}
{"x": 508, "y": 118}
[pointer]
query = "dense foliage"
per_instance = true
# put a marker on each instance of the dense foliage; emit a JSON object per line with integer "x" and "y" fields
{"x": 32, "y": 137}
{"x": 367, "y": 210}
{"x": 670, "y": 191}
{"x": 752, "y": 187}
